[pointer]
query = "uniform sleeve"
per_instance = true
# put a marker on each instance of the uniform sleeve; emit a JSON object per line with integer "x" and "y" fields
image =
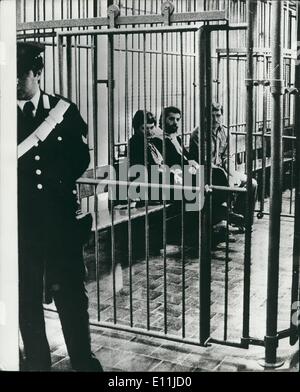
{"x": 77, "y": 152}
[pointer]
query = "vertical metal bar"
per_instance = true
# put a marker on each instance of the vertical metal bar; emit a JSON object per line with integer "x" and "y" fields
{"x": 147, "y": 179}
{"x": 176, "y": 73}
{"x": 292, "y": 142}
{"x": 60, "y": 42}
{"x": 296, "y": 246}
{"x": 61, "y": 9}
{"x": 237, "y": 108}
{"x": 164, "y": 182}
{"x": 139, "y": 69}
{"x": 127, "y": 127}
{"x": 256, "y": 106}
{"x": 171, "y": 49}
{"x": 68, "y": 9}
{"x": 69, "y": 66}
{"x": 94, "y": 65}
{"x": 263, "y": 147}
{"x": 110, "y": 77}
{"x": 95, "y": 7}
{"x": 271, "y": 339}
{"x": 88, "y": 39}
{"x": 182, "y": 192}
{"x": 194, "y": 75}
{"x": 150, "y": 69}
{"x": 24, "y": 10}
{"x": 132, "y": 74}
{"x": 53, "y": 52}
{"x": 18, "y": 11}
{"x": 119, "y": 92}
{"x": 205, "y": 235}
{"x": 218, "y": 76}
{"x": 251, "y": 15}
{"x": 228, "y": 195}
{"x": 292, "y": 165}
{"x": 78, "y": 75}
{"x": 76, "y": 71}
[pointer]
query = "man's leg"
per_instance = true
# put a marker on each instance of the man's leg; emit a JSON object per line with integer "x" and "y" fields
{"x": 240, "y": 203}
{"x": 31, "y": 315}
{"x": 72, "y": 304}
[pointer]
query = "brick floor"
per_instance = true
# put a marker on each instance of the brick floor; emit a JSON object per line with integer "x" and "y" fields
{"x": 124, "y": 351}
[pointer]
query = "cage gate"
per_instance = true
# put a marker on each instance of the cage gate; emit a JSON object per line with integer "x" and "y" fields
{"x": 174, "y": 61}
{"x": 191, "y": 50}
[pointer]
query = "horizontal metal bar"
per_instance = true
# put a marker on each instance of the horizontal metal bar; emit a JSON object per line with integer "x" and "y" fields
{"x": 225, "y": 342}
{"x": 207, "y": 188}
{"x": 184, "y": 17}
{"x": 105, "y": 81}
{"x": 238, "y": 26}
{"x": 140, "y": 331}
{"x": 137, "y": 50}
{"x": 261, "y": 134}
{"x": 256, "y": 51}
{"x": 281, "y": 215}
{"x": 63, "y": 23}
{"x": 127, "y": 31}
{"x": 253, "y": 341}
{"x": 227, "y": 188}
{"x": 92, "y": 181}
{"x": 285, "y": 333}
{"x": 37, "y": 35}
{"x": 144, "y": 332}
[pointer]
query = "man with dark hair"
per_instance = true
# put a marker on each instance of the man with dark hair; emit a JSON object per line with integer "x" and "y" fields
{"x": 52, "y": 154}
{"x": 174, "y": 149}
{"x": 220, "y": 164}
{"x": 144, "y": 126}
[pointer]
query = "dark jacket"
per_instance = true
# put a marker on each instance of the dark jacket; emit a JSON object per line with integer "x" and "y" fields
{"x": 136, "y": 147}
{"x": 172, "y": 155}
{"x": 47, "y": 200}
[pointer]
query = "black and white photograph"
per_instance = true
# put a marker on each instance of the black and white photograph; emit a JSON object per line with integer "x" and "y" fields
{"x": 149, "y": 188}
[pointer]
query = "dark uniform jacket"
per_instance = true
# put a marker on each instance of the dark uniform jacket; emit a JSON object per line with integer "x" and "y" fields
{"x": 47, "y": 200}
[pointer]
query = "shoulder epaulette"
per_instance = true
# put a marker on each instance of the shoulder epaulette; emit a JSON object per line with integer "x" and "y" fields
{"x": 63, "y": 98}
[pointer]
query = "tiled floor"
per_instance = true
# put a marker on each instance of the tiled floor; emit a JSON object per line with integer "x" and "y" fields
{"x": 126, "y": 351}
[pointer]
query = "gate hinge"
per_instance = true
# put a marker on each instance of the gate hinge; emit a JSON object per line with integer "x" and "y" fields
{"x": 167, "y": 9}
{"x": 113, "y": 12}
{"x": 291, "y": 90}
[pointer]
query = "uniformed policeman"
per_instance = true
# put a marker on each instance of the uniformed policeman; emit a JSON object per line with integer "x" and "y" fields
{"x": 52, "y": 154}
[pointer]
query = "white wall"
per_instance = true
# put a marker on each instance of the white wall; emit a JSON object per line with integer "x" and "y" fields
{"x": 9, "y": 357}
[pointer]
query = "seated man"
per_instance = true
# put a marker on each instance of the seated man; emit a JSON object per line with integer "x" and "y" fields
{"x": 220, "y": 168}
{"x": 174, "y": 149}
{"x": 175, "y": 156}
{"x": 142, "y": 120}
{"x": 145, "y": 123}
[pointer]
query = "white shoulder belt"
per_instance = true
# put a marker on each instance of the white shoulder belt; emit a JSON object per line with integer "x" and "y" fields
{"x": 55, "y": 117}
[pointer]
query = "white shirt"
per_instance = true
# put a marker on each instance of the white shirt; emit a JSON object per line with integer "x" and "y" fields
{"x": 35, "y": 100}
